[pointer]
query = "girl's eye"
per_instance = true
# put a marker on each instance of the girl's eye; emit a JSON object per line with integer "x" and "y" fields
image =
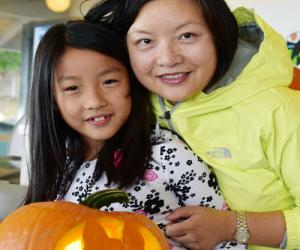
{"x": 71, "y": 88}
{"x": 185, "y": 36}
{"x": 110, "y": 81}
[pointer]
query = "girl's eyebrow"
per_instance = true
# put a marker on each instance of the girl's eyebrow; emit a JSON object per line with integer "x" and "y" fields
{"x": 108, "y": 71}
{"x": 101, "y": 73}
{"x": 66, "y": 78}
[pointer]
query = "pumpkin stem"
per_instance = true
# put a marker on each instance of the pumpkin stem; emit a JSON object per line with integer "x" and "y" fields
{"x": 105, "y": 198}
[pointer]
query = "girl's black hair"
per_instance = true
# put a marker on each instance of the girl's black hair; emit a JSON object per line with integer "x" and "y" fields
{"x": 219, "y": 19}
{"x": 56, "y": 150}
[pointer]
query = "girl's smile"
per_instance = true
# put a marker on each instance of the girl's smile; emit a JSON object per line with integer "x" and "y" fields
{"x": 100, "y": 120}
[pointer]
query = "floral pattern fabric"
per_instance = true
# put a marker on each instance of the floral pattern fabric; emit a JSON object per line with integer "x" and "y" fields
{"x": 175, "y": 177}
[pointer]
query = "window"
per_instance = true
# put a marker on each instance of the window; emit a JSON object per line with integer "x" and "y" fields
{"x": 10, "y": 62}
{"x": 16, "y": 77}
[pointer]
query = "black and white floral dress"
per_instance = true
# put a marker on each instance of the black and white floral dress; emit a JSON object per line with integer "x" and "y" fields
{"x": 175, "y": 177}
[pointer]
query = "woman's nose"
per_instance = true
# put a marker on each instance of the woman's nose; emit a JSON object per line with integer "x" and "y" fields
{"x": 95, "y": 99}
{"x": 168, "y": 55}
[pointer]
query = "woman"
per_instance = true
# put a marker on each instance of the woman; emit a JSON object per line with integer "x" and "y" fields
{"x": 221, "y": 82}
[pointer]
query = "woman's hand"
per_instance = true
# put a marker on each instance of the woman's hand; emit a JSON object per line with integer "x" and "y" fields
{"x": 200, "y": 227}
{"x": 204, "y": 228}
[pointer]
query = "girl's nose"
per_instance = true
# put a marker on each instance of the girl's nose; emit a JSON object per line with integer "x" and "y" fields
{"x": 168, "y": 55}
{"x": 95, "y": 99}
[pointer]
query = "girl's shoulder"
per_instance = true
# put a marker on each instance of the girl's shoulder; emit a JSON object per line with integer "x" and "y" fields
{"x": 167, "y": 142}
{"x": 162, "y": 136}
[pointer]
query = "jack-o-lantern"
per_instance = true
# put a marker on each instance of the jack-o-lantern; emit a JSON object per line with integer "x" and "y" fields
{"x": 61, "y": 225}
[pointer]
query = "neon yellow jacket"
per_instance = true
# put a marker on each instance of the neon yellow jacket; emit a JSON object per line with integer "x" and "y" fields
{"x": 248, "y": 129}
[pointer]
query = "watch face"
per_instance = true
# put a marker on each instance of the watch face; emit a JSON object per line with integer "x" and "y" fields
{"x": 241, "y": 237}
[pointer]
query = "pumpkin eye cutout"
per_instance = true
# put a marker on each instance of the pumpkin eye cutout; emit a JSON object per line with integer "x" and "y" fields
{"x": 72, "y": 239}
{"x": 113, "y": 227}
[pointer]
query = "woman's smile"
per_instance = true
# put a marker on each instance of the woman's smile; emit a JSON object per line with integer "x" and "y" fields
{"x": 174, "y": 78}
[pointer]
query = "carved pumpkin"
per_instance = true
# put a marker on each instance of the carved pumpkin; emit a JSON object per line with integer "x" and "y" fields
{"x": 61, "y": 225}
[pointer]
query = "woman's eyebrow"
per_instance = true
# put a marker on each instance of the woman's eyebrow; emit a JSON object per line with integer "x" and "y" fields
{"x": 187, "y": 23}
{"x": 138, "y": 31}
{"x": 180, "y": 26}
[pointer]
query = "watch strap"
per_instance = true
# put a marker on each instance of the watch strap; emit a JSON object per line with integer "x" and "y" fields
{"x": 241, "y": 221}
{"x": 242, "y": 233}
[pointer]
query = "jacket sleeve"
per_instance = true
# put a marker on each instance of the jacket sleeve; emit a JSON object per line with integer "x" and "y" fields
{"x": 283, "y": 153}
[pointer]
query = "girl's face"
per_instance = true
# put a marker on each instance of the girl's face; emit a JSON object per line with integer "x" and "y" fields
{"x": 171, "y": 49}
{"x": 92, "y": 93}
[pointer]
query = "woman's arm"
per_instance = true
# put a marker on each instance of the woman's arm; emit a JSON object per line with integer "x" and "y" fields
{"x": 266, "y": 229}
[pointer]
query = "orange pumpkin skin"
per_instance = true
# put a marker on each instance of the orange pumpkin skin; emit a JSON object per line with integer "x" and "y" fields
{"x": 64, "y": 225}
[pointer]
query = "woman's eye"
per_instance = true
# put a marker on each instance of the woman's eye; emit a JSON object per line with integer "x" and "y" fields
{"x": 187, "y": 35}
{"x": 144, "y": 42}
{"x": 110, "y": 81}
{"x": 71, "y": 88}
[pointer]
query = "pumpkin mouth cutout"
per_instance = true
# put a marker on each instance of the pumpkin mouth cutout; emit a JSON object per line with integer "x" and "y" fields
{"x": 114, "y": 231}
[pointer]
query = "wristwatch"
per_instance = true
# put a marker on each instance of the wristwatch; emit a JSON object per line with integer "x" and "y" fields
{"x": 241, "y": 234}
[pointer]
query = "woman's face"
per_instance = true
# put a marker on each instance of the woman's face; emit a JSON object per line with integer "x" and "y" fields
{"x": 171, "y": 49}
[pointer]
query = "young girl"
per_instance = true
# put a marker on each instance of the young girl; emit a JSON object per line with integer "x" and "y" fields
{"x": 89, "y": 130}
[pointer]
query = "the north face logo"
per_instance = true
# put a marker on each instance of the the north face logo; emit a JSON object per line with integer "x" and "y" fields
{"x": 220, "y": 153}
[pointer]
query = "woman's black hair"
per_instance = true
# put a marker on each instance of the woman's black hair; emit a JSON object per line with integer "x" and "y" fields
{"x": 219, "y": 19}
{"x": 56, "y": 150}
